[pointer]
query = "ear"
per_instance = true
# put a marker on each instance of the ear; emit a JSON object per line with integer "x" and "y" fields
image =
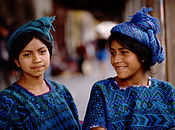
{"x": 17, "y": 63}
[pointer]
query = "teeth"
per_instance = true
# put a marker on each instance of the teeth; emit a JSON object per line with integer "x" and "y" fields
{"x": 119, "y": 68}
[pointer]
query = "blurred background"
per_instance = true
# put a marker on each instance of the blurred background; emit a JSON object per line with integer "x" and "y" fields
{"x": 81, "y": 29}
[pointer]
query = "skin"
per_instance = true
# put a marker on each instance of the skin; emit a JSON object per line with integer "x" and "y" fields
{"x": 34, "y": 60}
{"x": 127, "y": 66}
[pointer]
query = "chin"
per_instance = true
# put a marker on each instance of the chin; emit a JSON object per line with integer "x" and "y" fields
{"x": 38, "y": 74}
{"x": 123, "y": 77}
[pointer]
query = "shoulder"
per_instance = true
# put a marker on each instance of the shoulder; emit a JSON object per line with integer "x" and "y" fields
{"x": 7, "y": 94}
{"x": 8, "y": 101}
{"x": 12, "y": 107}
{"x": 161, "y": 83}
{"x": 104, "y": 81}
{"x": 16, "y": 92}
{"x": 58, "y": 87}
{"x": 6, "y": 97}
{"x": 62, "y": 91}
{"x": 164, "y": 86}
{"x": 105, "y": 84}
{"x": 11, "y": 95}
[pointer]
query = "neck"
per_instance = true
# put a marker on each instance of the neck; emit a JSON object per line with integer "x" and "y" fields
{"x": 138, "y": 80}
{"x": 35, "y": 85}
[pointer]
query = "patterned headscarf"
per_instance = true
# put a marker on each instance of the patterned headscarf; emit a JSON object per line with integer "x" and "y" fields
{"x": 42, "y": 25}
{"x": 144, "y": 28}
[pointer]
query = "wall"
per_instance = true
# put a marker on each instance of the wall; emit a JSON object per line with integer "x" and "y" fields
{"x": 170, "y": 38}
{"x": 164, "y": 10}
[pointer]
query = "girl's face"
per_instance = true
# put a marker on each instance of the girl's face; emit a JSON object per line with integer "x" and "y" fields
{"x": 125, "y": 62}
{"x": 34, "y": 59}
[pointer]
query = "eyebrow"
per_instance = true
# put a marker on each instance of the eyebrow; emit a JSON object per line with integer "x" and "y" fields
{"x": 31, "y": 50}
{"x": 118, "y": 48}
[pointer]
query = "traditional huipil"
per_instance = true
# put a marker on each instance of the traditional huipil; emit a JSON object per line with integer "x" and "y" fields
{"x": 139, "y": 107}
{"x": 135, "y": 107}
{"x": 20, "y": 109}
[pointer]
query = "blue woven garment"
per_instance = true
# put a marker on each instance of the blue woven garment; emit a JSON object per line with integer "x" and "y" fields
{"x": 54, "y": 110}
{"x": 133, "y": 108}
{"x": 144, "y": 28}
{"x": 42, "y": 25}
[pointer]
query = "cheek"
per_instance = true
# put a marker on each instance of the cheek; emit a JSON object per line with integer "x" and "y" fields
{"x": 112, "y": 59}
{"x": 112, "y": 62}
{"x": 24, "y": 63}
{"x": 47, "y": 59}
{"x": 48, "y": 54}
{"x": 134, "y": 61}
{"x": 21, "y": 61}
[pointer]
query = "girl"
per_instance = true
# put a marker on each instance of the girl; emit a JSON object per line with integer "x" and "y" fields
{"x": 132, "y": 99}
{"x": 34, "y": 102}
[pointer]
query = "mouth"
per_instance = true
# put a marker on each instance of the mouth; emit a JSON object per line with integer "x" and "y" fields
{"x": 120, "y": 67}
{"x": 37, "y": 67}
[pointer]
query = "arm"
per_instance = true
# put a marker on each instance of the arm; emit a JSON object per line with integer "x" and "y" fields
{"x": 96, "y": 113}
{"x": 9, "y": 117}
{"x": 69, "y": 100}
{"x": 71, "y": 104}
{"x": 171, "y": 97}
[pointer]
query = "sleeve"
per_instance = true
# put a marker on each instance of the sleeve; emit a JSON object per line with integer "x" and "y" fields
{"x": 171, "y": 105}
{"x": 96, "y": 111}
{"x": 71, "y": 104}
{"x": 9, "y": 118}
{"x": 171, "y": 97}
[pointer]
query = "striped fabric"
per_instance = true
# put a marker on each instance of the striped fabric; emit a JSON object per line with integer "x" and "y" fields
{"x": 143, "y": 28}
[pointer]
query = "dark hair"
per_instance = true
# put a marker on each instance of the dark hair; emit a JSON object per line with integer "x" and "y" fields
{"x": 143, "y": 52}
{"x": 21, "y": 42}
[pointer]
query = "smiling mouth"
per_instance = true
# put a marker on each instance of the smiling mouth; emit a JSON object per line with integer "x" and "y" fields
{"x": 119, "y": 68}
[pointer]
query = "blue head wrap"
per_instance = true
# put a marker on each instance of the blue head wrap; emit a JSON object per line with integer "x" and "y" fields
{"x": 41, "y": 25}
{"x": 144, "y": 29}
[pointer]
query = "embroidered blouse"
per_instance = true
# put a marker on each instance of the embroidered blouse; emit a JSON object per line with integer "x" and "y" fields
{"x": 135, "y": 107}
{"x": 20, "y": 109}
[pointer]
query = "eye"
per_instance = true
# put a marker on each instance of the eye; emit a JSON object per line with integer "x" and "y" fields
{"x": 112, "y": 52}
{"x": 26, "y": 54}
{"x": 42, "y": 51}
{"x": 124, "y": 52}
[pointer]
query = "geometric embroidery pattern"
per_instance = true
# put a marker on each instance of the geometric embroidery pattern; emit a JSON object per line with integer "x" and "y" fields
{"x": 20, "y": 109}
{"x": 136, "y": 107}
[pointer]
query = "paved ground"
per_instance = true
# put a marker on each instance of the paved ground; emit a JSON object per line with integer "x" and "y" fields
{"x": 80, "y": 86}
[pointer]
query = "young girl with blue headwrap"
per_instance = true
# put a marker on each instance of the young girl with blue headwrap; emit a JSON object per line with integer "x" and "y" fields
{"x": 132, "y": 99}
{"x": 34, "y": 102}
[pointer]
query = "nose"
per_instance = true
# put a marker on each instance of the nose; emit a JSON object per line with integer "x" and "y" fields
{"x": 116, "y": 59}
{"x": 36, "y": 58}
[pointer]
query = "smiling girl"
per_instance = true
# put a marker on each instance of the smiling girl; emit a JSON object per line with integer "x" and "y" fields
{"x": 132, "y": 99}
{"x": 34, "y": 102}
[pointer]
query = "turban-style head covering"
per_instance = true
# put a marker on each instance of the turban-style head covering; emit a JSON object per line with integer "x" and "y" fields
{"x": 41, "y": 25}
{"x": 144, "y": 29}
